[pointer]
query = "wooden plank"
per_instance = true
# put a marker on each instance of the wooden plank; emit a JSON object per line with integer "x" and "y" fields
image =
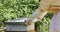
{"x": 22, "y": 31}
{"x": 31, "y": 30}
{"x": 17, "y": 26}
{"x": 15, "y": 31}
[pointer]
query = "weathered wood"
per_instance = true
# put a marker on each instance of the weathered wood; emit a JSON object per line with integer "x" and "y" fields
{"x": 31, "y": 30}
{"x": 22, "y": 31}
{"x": 18, "y": 26}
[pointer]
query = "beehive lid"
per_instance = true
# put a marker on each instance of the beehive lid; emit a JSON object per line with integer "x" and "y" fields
{"x": 19, "y": 21}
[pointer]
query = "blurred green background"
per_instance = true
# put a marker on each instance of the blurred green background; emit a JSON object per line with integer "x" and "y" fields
{"x": 12, "y": 9}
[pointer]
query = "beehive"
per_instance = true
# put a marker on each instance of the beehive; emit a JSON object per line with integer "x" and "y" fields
{"x": 17, "y": 25}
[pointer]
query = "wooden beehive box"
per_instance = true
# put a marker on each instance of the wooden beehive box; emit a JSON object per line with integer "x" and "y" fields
{"x": 18, "y": 26}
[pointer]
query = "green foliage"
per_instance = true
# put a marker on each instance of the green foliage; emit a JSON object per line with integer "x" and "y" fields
{"x": 12, "y": 9}
{"x": 43, "y": 26}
